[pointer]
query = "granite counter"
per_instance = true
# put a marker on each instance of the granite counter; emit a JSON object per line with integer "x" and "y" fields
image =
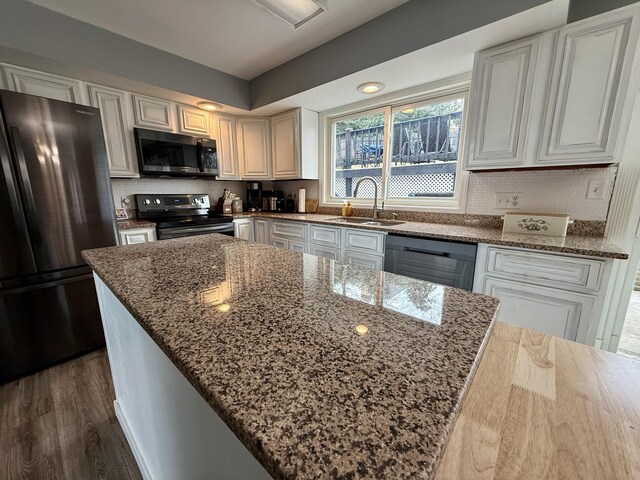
{"x": 322, "y": 370}
{"x": 572, "y": 244}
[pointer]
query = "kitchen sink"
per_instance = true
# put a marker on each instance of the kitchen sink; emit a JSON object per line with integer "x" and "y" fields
{"x": 372, "y": 222}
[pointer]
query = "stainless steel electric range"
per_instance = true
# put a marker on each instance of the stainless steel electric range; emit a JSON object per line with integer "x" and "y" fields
{"x": 182, "y": 215}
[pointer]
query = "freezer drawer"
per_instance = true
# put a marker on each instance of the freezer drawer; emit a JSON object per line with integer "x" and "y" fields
{"x": 47, "y": 323}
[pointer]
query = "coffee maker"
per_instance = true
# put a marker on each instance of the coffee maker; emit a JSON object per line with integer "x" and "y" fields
{"x": 272, "y": 201}
{"x": 254, "y": 196}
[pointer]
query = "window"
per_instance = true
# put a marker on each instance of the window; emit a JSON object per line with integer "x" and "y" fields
{"x": 410, "y": 150}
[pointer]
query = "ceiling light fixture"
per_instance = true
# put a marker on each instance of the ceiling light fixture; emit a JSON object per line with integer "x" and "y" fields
{"x": 370, "y": 87}
{"x": 294, "y": 12}
{"x": 209, "y": 106}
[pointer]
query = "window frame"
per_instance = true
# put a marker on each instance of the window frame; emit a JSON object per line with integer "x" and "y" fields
{"x": 387, "y": 105}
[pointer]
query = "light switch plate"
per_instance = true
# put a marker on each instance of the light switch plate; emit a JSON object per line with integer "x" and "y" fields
{"x": 508, "y": 200}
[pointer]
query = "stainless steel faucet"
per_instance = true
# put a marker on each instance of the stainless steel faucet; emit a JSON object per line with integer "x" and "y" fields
{"x": 375, "y": 194}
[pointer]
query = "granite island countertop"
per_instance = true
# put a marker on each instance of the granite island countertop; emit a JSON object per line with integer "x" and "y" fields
{"x": 322, "y": 370}
{"x": 572, "y": 244}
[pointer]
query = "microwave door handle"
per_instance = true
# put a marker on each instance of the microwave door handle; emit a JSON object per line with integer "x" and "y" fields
{"x": 199, "y": 156}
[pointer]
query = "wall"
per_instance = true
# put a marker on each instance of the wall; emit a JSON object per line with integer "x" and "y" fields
{"x": 125, "y": 188}
{"x": 37, "y": 31}
{"x": 579, "y": 9}
{"x": 560, "y": 191}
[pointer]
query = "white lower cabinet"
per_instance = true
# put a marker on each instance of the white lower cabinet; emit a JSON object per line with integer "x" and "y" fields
{"x": 560, "y": 295}
{"x": 261, "y": 230}
{"x": 137, "y": 235}
{"x": 549, "y": 310}
{"x": 299, "y": 246}
{"x": 349, "y": 245}
{"x": 243, "y": 228}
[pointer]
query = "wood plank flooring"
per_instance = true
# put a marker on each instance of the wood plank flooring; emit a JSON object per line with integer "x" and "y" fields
{"x": 60, "y": 424}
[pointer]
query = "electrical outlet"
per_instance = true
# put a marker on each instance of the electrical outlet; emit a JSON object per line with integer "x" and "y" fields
{"x": 508, "y": 200}
{"x": 595, "y": 189}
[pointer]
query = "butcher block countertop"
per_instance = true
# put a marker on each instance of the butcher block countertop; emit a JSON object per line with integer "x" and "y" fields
{"x": 544, "y": 407}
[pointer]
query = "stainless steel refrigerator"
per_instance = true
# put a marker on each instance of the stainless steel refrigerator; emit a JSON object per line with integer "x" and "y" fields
{"x": 55, "y": 201}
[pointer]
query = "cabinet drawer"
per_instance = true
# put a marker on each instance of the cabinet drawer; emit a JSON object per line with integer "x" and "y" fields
{"x": 326, "y": 251}
{"x": 365, "y": 241}
{"x": 297, "y": 246}
{"x": 134, "y": 236}
{"x": 324, "y": 235}
{"x": 289, "y": 230}
{"x": 553, "y": 270}
{"x": 547, "y": 310}
{"x": 364, "y": 260}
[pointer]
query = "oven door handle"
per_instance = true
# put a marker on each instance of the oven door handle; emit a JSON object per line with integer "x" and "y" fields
{"x": 227, "y": 227}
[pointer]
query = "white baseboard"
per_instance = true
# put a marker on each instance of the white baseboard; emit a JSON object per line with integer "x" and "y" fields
{"x": 131, "y": 441}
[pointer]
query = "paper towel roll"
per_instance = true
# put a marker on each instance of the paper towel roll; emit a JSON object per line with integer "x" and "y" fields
{"x": 301, "y": 199}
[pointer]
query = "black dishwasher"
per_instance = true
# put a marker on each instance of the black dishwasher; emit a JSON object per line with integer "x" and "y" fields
{"x": 437, "y": 261}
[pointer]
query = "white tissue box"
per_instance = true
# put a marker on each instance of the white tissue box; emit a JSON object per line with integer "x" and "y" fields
{"x": 553, "y": 224}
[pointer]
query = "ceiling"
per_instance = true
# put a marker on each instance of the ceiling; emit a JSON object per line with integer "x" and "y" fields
{"x": 235, "y": 36}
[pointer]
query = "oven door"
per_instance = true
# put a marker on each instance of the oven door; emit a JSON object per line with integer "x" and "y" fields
{"x": 179, "y": 232}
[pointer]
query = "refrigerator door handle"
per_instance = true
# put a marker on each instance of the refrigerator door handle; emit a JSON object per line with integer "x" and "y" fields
{"x": 23, "y": 172}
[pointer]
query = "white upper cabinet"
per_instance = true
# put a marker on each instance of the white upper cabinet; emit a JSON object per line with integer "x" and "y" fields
{"x": 285, "y": 142}
{"x": 294, "y": 139}
{"x": 501, "y": 114}
{"x": 254, "y": 148}
{"x": 558, "y": 98}
{"x": 588, "y": 90}
{"x": 192, "y": 121}
{"x": 116, "y": 115}
{"x": 224, "y": 131}
{"x": 153, "y": 113}
{"x": 46, "y": 85}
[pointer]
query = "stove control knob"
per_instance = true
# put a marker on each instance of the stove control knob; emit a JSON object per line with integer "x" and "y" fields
{"x": 157, "y": 201}
{"x": 147, "y": 201}
{"x": 202, "y": 200}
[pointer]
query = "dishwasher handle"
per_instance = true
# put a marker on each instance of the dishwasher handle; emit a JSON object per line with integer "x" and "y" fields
{"x": 428, "y": 252}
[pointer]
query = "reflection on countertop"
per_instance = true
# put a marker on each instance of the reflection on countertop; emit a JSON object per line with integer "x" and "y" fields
{"x": 320, "y": 369}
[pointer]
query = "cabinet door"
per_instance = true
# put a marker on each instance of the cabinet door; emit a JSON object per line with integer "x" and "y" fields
{"x": 244, "y": 229}
{"x": 115, "y": 115}
{"x": 298, "y": 246}
{"x": 334, "y": 253}
{"x": 588, "y": 88}
{"x": 225, "y": 134}
{"x": 254, "y": 148}
{"x": 137, "y": 235}
{"x": 279, "y": 242}
{"x": 285, "y": 141}
{"x": 153, "y": 113}
{"x": 503, "y": 79}
{"x": 192, "y": 121}
{"x": 364, "y": 260}
{"x": 262, "y": 231}
{"x": 548, "y": 310}
{"x": 45, "y": 85}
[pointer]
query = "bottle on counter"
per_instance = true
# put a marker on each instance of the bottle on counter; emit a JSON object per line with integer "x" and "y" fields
{"x": 344, "y": 209}
{"x": 349, "y": 209}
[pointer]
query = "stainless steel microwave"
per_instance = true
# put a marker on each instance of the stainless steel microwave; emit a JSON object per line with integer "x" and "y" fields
{"x": 162, "y": 153}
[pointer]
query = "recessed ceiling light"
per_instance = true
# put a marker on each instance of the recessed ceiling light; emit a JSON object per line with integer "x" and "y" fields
{"x": 370, "y": 87}
{"x": 295, "y": 12}
{"x": 209, "y": 106}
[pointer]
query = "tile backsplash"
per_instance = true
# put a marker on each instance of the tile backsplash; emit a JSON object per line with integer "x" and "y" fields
{"x": 544, "y": 191}
{"x": 125, "y": 188}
